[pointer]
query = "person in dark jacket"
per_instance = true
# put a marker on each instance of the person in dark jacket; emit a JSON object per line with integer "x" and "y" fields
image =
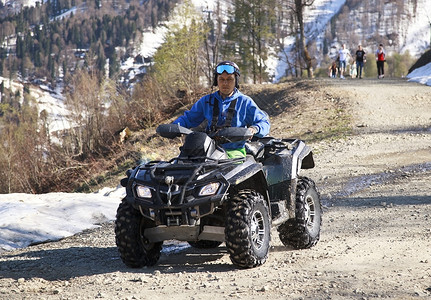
{"x": 360, "y": 60}
{"x": 333, "y": 70}
{"x": 227, "y": 107}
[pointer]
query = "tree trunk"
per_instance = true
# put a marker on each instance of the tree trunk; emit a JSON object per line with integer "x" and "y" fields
{"x": 299, "y": 9}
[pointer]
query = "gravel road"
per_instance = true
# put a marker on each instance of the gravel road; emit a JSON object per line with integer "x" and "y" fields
{"x": 376, "y": 233}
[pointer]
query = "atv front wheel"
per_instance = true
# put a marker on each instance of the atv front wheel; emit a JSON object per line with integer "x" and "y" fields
{"x": 135, "y": 250}
{"x": 304, "y": 230}
{"x": 247, "y": 230}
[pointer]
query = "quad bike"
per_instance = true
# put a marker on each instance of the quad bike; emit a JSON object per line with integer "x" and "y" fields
{"x": 205, "y": 198}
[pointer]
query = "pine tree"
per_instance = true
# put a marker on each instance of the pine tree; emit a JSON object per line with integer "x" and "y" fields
{"x": 249, "y": 32}
{"x": 177, "y": 61}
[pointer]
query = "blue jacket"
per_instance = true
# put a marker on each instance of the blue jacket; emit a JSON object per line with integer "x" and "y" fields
{"x": 247, "y": 114}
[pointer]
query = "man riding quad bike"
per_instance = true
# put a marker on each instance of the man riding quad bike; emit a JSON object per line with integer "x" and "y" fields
{"x": 206, "y": 198}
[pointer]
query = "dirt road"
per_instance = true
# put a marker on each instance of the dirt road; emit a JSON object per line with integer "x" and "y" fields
{"x": 376, "y": 235}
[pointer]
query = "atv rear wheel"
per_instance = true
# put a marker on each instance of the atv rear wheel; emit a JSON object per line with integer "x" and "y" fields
{"x": 304, "y": 230}
{"x": 135, "y": 250}
{"x": 247, "y": 230}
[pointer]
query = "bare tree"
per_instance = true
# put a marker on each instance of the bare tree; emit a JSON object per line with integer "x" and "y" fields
{"x": 298, "y": 7}
{"x": 7, "y": 157}
{"x": 212, "y": 41}
{"x": 87, "y": 105}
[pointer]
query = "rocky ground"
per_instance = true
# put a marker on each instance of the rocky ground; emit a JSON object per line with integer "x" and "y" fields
{"x": 374, "y": 179}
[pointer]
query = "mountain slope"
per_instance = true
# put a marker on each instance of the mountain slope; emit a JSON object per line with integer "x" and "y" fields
{"x": 400, "y": 25}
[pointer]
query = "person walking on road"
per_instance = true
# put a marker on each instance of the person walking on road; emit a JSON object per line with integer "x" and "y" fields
{"x": 380, "y": 59}
{"x": 360, "y": 61}
{"x": 343, "y": 54}
{"x": 333, "y": 70}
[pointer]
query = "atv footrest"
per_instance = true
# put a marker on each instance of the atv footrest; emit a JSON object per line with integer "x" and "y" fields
{"x": 184, "y": 233}
{"x": 181, "y": 233}
{"x": 212, "y": 233}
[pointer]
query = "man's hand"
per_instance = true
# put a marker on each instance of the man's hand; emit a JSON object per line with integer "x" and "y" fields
{"x": 254, "y": 129}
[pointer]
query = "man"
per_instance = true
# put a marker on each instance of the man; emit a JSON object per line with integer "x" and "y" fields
{"x": 343, "y": 53}
{"x": 360, "y": 60}
{"x": 227, "y": 107}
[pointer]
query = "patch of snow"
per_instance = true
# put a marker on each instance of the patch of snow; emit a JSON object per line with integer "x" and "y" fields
{"x": 421, "y": 75}
{"x": 27, "y": 219}
{"x": 151, "y": 40}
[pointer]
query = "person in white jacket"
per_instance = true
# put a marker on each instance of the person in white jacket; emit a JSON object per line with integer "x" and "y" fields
{"x": 343, "y": 55}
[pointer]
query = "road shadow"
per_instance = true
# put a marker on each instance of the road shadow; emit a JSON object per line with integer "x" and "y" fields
{"x": 282, "y": 248}
{"x": 393, "y": 130}
{"x": 71, "y": 262}
{"x": 60, "y": 264}
{"x": 356, "y": 184}
{"x": 195, "y": 260}
{"x": 383, "y": 201}
{"x": 392, "y": 81}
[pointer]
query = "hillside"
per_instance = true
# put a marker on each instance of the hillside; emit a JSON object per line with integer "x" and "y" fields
{"x": 375, "y": 240}
{"x": 129, "y": 31}
{"x": 99, "y": 39}
{"x": 400, "y": 25}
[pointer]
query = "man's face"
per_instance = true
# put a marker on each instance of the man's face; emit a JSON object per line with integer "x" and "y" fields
{"x": 226, "y": 84}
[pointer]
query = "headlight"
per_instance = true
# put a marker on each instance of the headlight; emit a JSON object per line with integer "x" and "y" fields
{"x": 143, "y": 191}
{"x": 209, "y": 189}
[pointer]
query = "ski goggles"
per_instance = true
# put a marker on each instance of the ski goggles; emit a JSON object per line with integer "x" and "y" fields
{"x": 225, "y": 68}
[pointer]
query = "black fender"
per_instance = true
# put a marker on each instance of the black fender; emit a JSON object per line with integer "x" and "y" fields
{"x": 307, "y": 159}
{"x": 127, "y": 182}
{"x": 302, "y": 158}
{"x": 249, "y": 175}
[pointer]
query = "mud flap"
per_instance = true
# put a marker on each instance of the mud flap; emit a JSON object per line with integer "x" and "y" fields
{"x": 308, "y": 161}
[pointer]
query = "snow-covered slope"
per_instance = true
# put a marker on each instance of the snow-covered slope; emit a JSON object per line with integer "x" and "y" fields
{"x": 52, "y": 101}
